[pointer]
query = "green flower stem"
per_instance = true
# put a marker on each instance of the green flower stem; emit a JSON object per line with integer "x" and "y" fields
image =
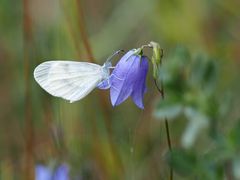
{"x": 161, "y": 91}
{"x": 157, "y": 62}
{"x": 169, "y": 145}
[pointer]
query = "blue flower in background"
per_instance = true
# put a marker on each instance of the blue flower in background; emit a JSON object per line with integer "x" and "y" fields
{"x": 42, "y": 173}
{"x": 46, "y": 173}
{"x": 128, "y": 79}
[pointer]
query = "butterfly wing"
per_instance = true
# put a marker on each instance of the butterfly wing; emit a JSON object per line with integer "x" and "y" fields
{"x": 69, "y": 80}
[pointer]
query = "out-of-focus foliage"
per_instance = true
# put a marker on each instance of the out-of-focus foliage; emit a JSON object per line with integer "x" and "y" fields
{"x": 200, "y": 73}
{"x": 190, "y": 82}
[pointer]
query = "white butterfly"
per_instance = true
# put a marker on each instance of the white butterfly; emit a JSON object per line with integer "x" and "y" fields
{"x": 71, "y": 80}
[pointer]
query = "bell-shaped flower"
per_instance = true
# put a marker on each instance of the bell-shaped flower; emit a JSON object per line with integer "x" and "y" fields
{"x": 42, "y": 173}
{"x": 128, "y": 79}
{"x": 46, "y": 173}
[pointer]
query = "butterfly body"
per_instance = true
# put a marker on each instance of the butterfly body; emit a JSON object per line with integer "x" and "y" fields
{"x": 70, "y": 80}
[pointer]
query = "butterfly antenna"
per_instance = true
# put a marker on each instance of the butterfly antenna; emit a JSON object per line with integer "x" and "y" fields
{"x": 114, "y": 54}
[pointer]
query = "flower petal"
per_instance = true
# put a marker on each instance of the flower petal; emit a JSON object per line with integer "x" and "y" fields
{"x": 62, "y": 173}
{"x": 123, "y": 78}
{"x": 139, "y": 86}
{"x": 42, "y": 173}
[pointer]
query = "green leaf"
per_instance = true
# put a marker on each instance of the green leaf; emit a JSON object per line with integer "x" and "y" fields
{"x": 234, "y": 136}
{"x": 169, "y": 109}
{"x": 197, "y": 121}
{"x": 236, "y": 168}
{"x": 183, "y": 162}
{"x": 203, "y": 73}
{"x": 170, "y": 112}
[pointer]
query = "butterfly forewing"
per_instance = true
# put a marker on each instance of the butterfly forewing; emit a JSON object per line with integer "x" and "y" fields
{"x": 68, "y": 79}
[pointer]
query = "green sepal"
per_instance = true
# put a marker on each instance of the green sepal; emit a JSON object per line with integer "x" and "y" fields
{"x": 156, "y": 58}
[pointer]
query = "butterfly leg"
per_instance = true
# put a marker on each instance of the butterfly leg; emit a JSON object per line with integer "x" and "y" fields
{"x": 114, "y": 54}
{"x": 105, "y": 84}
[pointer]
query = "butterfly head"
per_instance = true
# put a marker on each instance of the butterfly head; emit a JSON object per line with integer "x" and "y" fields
{"x": 106, "y": 69}
{"x": 108, "y": 65}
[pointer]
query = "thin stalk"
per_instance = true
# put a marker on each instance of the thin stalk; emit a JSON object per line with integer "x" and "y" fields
{"x": 161, "y": 91}
{"x": 168, "y": 134}
{"x": 27, "y": 42}
{"x": 103, "y": 100}
{"x": 83, "y": 32}
{"x": 71, "y": 31}
{"x": 169, "y": 145}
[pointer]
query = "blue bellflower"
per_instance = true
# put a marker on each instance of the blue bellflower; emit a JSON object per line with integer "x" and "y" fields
{"x": 128, "y": 79}
{"x": 46, "y": 173}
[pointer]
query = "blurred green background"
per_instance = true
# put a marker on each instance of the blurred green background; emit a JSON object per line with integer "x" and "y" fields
{"x": 201, "y": 42}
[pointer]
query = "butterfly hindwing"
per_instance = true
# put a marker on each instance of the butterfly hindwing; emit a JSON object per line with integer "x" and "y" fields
{"x": 70, "y": 80}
